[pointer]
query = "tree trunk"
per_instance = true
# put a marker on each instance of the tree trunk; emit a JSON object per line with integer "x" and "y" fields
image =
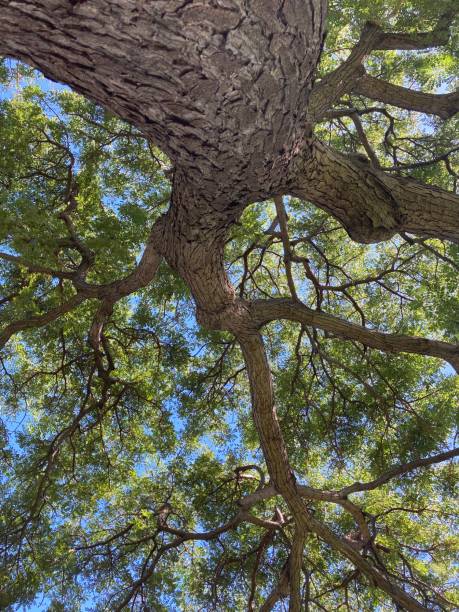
{"x": 222, "y": 87}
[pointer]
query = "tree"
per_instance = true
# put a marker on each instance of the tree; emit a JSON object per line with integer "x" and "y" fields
{"x": 296, "y": 442}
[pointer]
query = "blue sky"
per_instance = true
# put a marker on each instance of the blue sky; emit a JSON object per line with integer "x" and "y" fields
{"x": 21, "y": 421}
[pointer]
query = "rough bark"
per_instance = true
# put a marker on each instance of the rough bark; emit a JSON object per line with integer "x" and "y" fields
{"x": 264, "y": 311}
{"x": 222, "y": 86}
{"x": 372, "y": 205}
{"x": 336, "y": 83}
{"x": 295, "y": 564}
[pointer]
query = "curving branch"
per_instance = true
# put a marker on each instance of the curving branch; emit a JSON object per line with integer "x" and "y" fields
{"x": 109, "y": 293}
{"x": 335, "y": 84}
{"x": 424, "y": 163}
{"x": 265, "y": 311}
{"x": 265, "y": 541}
{"x": 40, "y": 320}
{"x": 31, "y": 267}
{"x": 371, "y": 205}
{"x": 280, "y": 590}
{"x": 399, "y": 470}
{"x": 350, "y": 75}
{"x": 184, "y": 536}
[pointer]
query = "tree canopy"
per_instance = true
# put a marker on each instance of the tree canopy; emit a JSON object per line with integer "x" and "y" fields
{"x": 229, "y": 321}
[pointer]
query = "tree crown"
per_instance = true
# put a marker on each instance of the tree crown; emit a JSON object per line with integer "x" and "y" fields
{"x": 144, "y": 465}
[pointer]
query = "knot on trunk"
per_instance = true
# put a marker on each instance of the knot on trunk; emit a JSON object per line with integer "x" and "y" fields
{"x": 235, "y": 318}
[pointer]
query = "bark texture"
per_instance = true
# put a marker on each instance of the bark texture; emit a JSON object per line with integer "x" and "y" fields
{"x": 264, "y": 311}
{"x": 372, "y": 205}
{"x": 224, "y": 88}
{"x": 221, "y": 87}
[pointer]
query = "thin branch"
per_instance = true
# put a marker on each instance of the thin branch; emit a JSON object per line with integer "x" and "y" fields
{"x": 399, "y": 470}
{"x": 282, "y": 217}
{"x": 364, "y": 140}
{"x": 423, "y": 163}
{"x": 40, "y": 320}
{"x": 437, "y": 37}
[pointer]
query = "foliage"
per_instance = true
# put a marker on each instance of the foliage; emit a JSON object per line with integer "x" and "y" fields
{"x": 94, "y": 467}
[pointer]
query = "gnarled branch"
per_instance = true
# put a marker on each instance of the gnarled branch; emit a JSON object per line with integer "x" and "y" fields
{"x": 372, "y": 205}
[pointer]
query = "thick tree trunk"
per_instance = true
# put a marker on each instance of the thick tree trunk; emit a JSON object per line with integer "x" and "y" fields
{"x": 222, "y": 86}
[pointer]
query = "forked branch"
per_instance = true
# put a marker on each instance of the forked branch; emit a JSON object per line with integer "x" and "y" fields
{"x": 275, "y": 453}
{"x": 350, "y": 75}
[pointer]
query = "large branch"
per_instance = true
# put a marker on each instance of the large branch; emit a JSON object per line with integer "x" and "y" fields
{"x": 275, "y": 453}
{"x": 333, "y": 85}
{"x": 280, "y": 590}
{"x": 372, "y": 205}
{"x": 265, "y": 311}
{"x": 345, "y": 78}
{"x": 399, "y": 470}
{"x": 338, "y": 496}
{"x": 443, "y": 105}
{"x": 295, "y": 566}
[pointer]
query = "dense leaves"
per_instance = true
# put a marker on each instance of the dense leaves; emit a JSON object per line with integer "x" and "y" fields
{"x": 121, "y": 461}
